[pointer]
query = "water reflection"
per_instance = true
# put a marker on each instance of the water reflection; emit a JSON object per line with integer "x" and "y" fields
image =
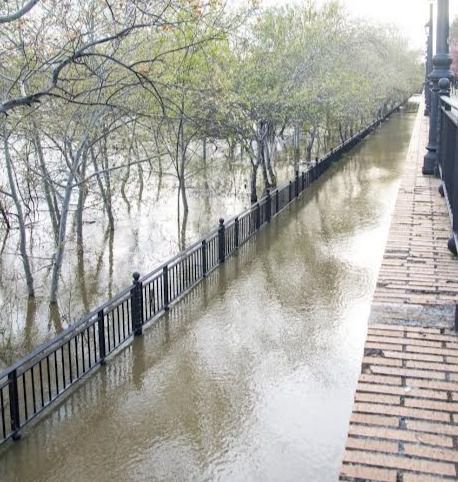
{"x": 251, "y": 377}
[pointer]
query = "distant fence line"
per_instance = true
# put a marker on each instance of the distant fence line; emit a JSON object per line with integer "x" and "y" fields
{"x": 36, "y": 382}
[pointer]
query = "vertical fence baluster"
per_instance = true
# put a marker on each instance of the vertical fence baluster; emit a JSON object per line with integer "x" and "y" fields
{"x": 268, "y": 206}
{"x": 236, "y": 233}
{"x": 14, "y": 404}
{"x": 221, "y": 240}
{"x": 101, "y": 326}
{"x": 165, "y": 287}
{"x": 257, "y": 216}
{"x": 136, "y": 305}
{"x": 296, "y": 184}
{"x": 204, "y": 258}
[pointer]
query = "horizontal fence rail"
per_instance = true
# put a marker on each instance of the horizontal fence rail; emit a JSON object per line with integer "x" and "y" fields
{"x": 34, "y": 383}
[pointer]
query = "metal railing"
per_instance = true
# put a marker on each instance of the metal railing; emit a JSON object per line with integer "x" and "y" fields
{"x": 35, "y": 382}
{"x": 448, "y": 162}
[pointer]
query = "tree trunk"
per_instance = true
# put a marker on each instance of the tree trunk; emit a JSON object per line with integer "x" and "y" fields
{"x": 20, "y": 216}
{"x": 310, "y": 144}
{"x": 47, "y": 186}
{"x": 253, "y": 181}
{"x": 106, "y": 201}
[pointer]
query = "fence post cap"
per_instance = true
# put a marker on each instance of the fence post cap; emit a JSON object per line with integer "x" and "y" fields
{"x": 221, "y": 221}
{"x": 444, "y": 83}
{"x": 136, "y": 276}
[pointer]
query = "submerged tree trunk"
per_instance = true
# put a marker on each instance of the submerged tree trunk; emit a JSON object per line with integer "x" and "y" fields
{"x": 106, "y": 201}
{"x": 253, "y": 182}
{"x": 20, "y": 217}
{"x": 310, "y": 143}
{"x": 60, "y": 248}
{"x": 5, "y": 216}
{"x": 296, "y": 144}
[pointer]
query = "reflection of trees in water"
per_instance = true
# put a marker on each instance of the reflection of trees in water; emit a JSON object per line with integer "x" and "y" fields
{"x": 213, "y": 190}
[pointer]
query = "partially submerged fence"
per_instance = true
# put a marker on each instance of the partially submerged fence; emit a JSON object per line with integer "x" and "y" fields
{"x": 36, "y": 382}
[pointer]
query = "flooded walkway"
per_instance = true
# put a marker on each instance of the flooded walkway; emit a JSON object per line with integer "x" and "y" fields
{"x": 405, "y": 417}
{"x": 252, "y": 376}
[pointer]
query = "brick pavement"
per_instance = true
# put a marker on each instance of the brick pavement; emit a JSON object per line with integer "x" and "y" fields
{"x": 418, "y": 278}
{"x": 404, "y": 425}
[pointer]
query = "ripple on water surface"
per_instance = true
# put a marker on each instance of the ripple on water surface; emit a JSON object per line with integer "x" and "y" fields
{"x": 252, "y": 376}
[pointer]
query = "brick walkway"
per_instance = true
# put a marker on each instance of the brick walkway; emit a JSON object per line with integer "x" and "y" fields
{"x": 404, "y": 426}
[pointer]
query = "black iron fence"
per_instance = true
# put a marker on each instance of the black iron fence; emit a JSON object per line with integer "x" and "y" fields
{"x": 448, "y": 162}
{"x": 34, "y": 383}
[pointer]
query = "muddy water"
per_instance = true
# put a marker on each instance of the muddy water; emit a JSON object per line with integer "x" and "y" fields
{"x": 251, "y": 377}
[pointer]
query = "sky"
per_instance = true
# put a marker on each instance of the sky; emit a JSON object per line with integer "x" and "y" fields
{"x": 409, "y": 15}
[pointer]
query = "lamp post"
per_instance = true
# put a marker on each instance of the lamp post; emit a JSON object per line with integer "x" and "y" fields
{"x": 429, "y": 59}
{"x": 441, "y": 69}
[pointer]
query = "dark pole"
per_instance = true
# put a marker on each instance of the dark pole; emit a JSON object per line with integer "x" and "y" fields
{"x": 429, "y": 61}
{"x": 441, "y": 68}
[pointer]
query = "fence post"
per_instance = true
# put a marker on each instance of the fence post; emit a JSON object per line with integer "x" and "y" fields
{"x": 268, "y": 206}
{"x": 136, "y": 305}
{"x": 290, "y": 191}
{"x": 258, "y": 216}
{"x": 204, "y": 258}
{"x": 221, "y": 240}
{"x": 303, "y": 180}
{"x": 14, "y": 404}
{"x": 456, "y": 318}
{"x": 165, "y": 287}
{"x": 444, "y": 86}
{"x": 236, "y": 232}
{"x": 296, "y": 184}
{"x": 102, "y": 347}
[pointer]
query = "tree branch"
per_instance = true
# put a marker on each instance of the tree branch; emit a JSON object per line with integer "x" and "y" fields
{"x": 20, "y": 13}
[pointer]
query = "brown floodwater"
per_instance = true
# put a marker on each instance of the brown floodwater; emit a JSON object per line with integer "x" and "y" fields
{"x": 251, "y": 377}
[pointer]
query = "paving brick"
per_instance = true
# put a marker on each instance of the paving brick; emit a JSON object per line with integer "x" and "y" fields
{"x": 404, "y": 341}
{"x": 385, "y": 346}
{"x": 369, "y": 378}
{"x": 385, "y": 332}
{"x": 372, "y": 445}
{"x": 379, "y": 409}
{"x": 406, "y": 372}
{"x": 396, "y": 462}
{"x": 373, "y": 360}
{"x": 431, "y": 452}
{"x": 443, "y": 367}
{"x": 377, "y": 398}
{"x": 430, "y": 351}
{"x": 402, "y": 391}
{"x": 409, "y": 477}
{"x": 432, "y": 384}
{"x": 432, "y": 405}
{"x": 362, "y": 472}
{"x": 414, "y": 356}
{"x": 432, "y": 337}
{"x": 401, "y": 435}
{"x": 435, "y": 428}
{"x": 371, "y": 419}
